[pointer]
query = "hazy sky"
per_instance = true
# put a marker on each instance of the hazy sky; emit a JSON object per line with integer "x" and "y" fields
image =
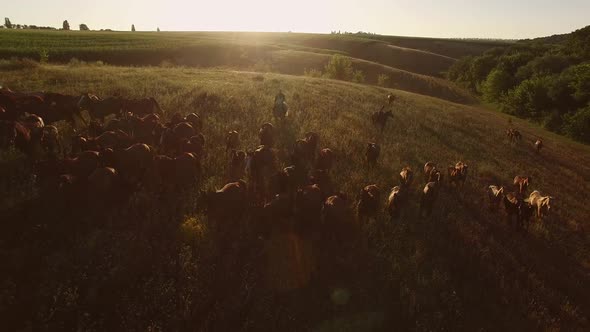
{"x": 435, "y": 18}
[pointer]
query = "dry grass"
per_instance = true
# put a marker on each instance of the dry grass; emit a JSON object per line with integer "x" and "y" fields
{"x": 159, "y": 265}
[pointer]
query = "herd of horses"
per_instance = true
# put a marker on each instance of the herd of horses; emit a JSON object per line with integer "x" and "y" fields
{"x": 136, "y": 149}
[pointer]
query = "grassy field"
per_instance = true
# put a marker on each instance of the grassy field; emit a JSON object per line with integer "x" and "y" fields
{"x": 412, "y": 64}
{"x": 161, "y": 264}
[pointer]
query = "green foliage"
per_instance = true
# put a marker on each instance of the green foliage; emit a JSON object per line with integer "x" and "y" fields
{"x": 544, "y": 65}
{"x": 43, "y": 56}
{"x": 84, "y": 27}
{"x": 66, "y": 25}
{"x": 578, "y": 43}
{"x": 496, "y": 85}
{"x": 383, "y": 80}
{"x": 561, "y": 93}
{"x": 536, "y": 80}
{"x": 339, "y": 67}
{"x": 530, "y": 98}
{"x": 133, "y": 27}
{"x": 7, "y": 23}
{"x": 580, "y": 82}
{"x": 481, "y": 68}
{"x": 554, "y": 122}
{"x": 460, "y": 72}
{"x": 358, "y": 76}
{"x": 577, "y": 125}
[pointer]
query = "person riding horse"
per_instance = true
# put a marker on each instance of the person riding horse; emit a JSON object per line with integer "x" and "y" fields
{"x": 280, "y": 107}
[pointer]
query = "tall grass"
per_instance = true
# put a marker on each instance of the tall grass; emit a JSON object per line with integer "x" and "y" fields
{"x": 161, "y": 264}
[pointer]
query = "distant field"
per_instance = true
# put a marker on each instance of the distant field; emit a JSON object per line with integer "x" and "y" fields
{"x": 416, "y": 70}
{"x": 455, "y": 48}
{"x": 463, "y": 269}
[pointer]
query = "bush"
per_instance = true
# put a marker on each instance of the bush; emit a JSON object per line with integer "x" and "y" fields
{"x": 577, "y": 125}
{"x": 339, "y": 68}
{"x": 383, "y": 80}
{"x": 358, "y": 76}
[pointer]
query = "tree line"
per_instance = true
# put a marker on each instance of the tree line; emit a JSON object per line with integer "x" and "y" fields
{"x": 65, "y": 26}
{"x": 541, "y": 80}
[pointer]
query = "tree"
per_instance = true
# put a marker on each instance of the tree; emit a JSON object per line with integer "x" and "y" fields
{"x": 7, "y": 23}
{"x": 132, "y": 27}
{"x": 158, "y": 30}
{"x": 84, "y": 27}
{"x": 577, "y": 126}
{"x": 496, "y": 85}
{"x": 530, "y": 99}
{"x": 580, "y": 82}
{"x": 339, "y": 67}
{"x": 66, "y": 25}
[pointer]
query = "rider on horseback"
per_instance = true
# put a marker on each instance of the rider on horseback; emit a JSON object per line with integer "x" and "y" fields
{"x": 280, "y": 107}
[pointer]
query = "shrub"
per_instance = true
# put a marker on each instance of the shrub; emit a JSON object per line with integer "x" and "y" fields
{"x": 339, "y": 67}
{"x": 358, "y": 76}
{"x": 383, "y": 80}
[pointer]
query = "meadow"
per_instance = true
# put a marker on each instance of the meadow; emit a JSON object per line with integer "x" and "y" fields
{"x": 161, "y": 264}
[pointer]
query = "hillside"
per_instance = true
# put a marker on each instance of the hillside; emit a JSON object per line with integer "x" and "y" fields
{"x": 411, "y": 64}
{"x": 438, "y": 53}
{"x": 454, "y": 48}
{"x": 160, "y": 263}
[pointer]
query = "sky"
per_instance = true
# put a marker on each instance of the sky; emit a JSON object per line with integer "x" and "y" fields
{"x": 509, "y": 19}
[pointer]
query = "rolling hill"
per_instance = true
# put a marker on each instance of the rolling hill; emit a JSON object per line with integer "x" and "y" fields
{"x": 412, "y": 64}
{"x": 160, "y": 263}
